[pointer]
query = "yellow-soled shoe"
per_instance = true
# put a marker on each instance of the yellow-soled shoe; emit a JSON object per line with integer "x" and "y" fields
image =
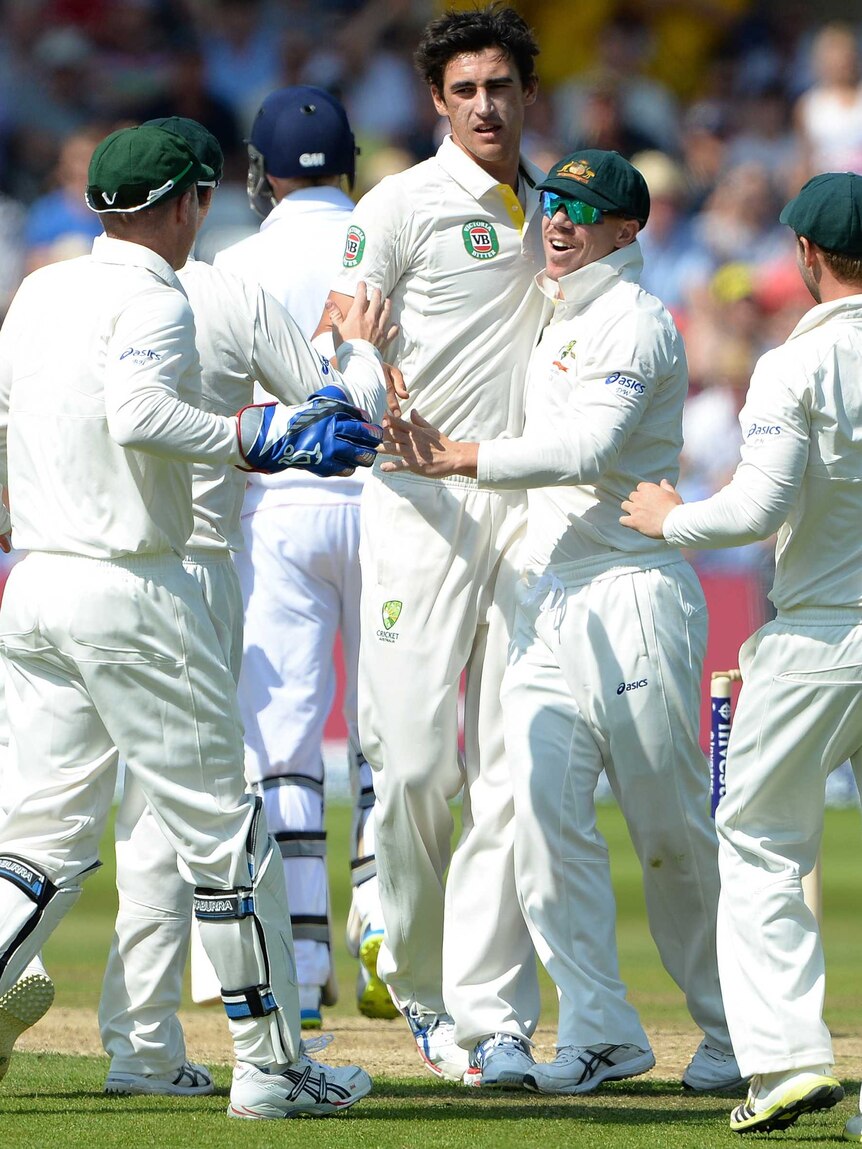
{"x": 782, "y": 1104}
{"x": 372, "y": 996}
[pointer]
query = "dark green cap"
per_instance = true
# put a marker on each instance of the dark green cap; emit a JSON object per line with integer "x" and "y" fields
{"x": 828, "y": 211}
{"x": 202, "y": 142}
{"x": 603, "y": 179}
{"x": 134, "y": 168}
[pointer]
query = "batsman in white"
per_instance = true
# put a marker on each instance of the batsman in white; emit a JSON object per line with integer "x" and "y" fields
{"x": 299, "y": 570}
{"x": 610, "y": 634}
{"x": 800, "y": 710}
{"x": 106, "y": 638}
{"x": 242, "y": 335}
{"x": 455, "y": 241}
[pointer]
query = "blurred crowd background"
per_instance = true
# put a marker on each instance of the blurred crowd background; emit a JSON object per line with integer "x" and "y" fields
{"x": 727, "y": 106}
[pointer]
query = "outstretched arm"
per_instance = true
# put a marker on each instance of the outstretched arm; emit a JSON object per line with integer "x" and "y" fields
{"x": 421, "y": 447}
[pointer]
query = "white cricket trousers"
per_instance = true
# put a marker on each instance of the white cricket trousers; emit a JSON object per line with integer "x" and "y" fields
{"x": 142, "y": 988}
{"x": 300, "y": 582}
{"x": 437, "y": 599}
{"x": 107, "y": 657}
{"x": 799, "y": 717}
{"x": 605, "y": 672}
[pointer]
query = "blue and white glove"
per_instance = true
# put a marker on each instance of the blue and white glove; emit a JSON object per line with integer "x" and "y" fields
{"x": 325, "y": 435}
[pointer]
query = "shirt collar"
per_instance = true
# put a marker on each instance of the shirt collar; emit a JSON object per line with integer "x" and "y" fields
{"x": 476, "y": 181}
{"x": 106, "y": 249}
{"x": 302, "y": 198}
{"x": 587, "y": 283}
{"x": 822, "y": 312}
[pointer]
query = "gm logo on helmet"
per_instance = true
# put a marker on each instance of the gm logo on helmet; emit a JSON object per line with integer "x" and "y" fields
{"x": 312, "y": 159}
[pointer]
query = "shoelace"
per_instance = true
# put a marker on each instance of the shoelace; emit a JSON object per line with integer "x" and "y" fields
{"x": 317, "y": 1044}
{"x": 499, "y": 1041}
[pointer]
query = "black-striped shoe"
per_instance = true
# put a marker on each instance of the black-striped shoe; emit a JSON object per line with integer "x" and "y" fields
{"x": 794, "y": 1094}
{"x": 20, "y": 1007}
{"x": 305, "y": 1089}
{"x": 189, "y": 1080}
{"x": 581, "y": 1069}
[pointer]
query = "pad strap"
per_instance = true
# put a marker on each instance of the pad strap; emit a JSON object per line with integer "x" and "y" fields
{"x": 223, "y": 905}
{"x": 301, "y": 843}
{"x": 252, "y": 1001}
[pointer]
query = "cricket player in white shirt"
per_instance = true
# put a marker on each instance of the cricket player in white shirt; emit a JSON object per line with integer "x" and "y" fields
{"x": 609, "y": 637}
{"x": 242, "y": 335}
{"x": 800, "y": 710}
{"x": 299, "y": 569}
{"x": 106, "y": 637}
{"x": 455, "y": 243}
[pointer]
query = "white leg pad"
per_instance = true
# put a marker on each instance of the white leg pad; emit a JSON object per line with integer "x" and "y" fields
{"x": 245, "y": 934}
{"x": 31, "y": 907}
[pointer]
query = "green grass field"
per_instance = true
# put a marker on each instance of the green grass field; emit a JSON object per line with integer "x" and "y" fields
{"x": 53, "y": 1100}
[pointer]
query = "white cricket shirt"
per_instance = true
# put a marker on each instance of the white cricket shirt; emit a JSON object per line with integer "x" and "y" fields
{"x": 293, "y": 257}
{"x": 801, "y": 468}
{"x": 99, "y": 386}
{"x": 605, "y": 392}
{"x": 446, "y": 244}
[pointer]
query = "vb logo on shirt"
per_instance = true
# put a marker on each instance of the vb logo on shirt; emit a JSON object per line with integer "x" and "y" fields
{"x": 480, "y": 239}
{"x": 354, "y": 246}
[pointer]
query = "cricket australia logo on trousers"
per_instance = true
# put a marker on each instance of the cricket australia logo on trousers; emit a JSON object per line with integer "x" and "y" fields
{"x": 480, "y": 239}
{"x": 391, "y": 612}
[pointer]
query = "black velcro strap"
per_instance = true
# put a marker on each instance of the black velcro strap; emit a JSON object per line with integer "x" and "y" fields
{"x": 223, "y": 905}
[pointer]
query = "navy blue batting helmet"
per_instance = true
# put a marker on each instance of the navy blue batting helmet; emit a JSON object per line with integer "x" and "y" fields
{"x": 299, "y": 133}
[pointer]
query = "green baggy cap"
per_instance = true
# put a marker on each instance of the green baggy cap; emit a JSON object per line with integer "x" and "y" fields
{"x": 202, "y": 142}
{"x": 603, "y": 179}
{"x": 828, "y": 211}
{"x": 134, "y": 168}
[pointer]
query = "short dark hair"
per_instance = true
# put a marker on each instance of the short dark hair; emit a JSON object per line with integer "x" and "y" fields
{"x": 845, "y": 268}
{"x": 472, "y": 31}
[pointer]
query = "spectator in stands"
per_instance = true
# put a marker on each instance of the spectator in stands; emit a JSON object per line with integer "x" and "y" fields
{"x": 673, "y": 262}
{"x": 829, "y": 115}
{"x": 59, "y": 224}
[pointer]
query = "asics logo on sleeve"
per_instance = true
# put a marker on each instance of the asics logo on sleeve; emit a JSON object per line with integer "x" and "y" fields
{"x": 625, "y": 384}
{"x": 758, "y": 430}
{"x": 141, "y": 354}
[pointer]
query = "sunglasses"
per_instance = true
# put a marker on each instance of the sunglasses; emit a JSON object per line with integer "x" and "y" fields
{"x": 577, "y": 211}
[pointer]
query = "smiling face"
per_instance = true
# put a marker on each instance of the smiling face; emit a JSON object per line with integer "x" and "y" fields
{"x": 484, "y": 101}
{"x": 571, "y": 246}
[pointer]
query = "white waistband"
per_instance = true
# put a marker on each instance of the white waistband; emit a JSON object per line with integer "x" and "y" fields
{"x": 606, "y": 566}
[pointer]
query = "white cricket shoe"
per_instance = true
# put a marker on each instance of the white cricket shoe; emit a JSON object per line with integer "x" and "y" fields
{"x": 777, "y": 1100}
{"x": 189, "y": 1080}
{"x": 712, "y": 1071}
{"x": 502, "y": 1061}
{"x": 20, "y": 1007}
{"x": 434, "y": 1034}
{"x": 853, "y": 1129}
{"x": 581, "y": 1069}
{"x": 305, "y": 1089}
